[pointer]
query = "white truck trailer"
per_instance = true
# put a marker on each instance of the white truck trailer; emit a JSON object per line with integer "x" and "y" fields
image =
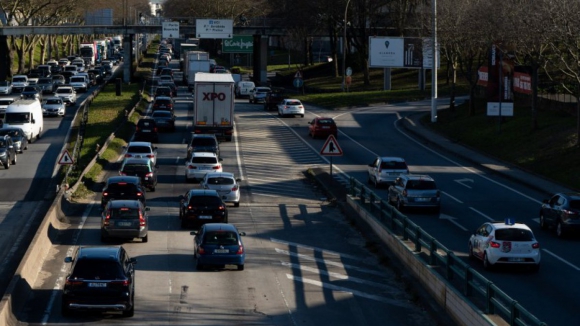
{"x": 194, "y": 62}
{"x": 213, "y": 105}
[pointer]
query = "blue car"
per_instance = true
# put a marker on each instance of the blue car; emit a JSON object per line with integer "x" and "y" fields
{"x": 218, "y": 244}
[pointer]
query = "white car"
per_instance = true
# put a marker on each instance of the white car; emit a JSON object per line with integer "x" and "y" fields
{"x": 291, "y": 107}
{"x": 79, "y": 83}
{"x": 5, "y": 87}
{"x": 200, "y": 164}
{"x": 53, "y": 106}
{"x": 258, "y": 94}
{"x": 385, "y": 169}
{"x": 226, "y": 185}
{"x": 505, "y": 243}
{"x": 141, "y": 149}
{"x": 67, "y": 94}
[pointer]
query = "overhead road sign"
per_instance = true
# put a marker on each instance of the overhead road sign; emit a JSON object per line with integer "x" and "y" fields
{"x": 331, "y": 147}
{"x": 170, "y": 30}
{"x": 214, "y": 28}
{"x": 238, "y": 44}
{"x": 65, "y": 158}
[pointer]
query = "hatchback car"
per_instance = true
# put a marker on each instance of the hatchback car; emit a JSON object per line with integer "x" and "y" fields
{"x": 200, "y": 206}
{"x": 322, "y": 127}
{"x": 225, "y": 184}
{"x": 164, "y": 119}
{"x": 505, "y": 243}
{"x": 163, "y": 103}
{"x": 142, "y": 168}
{"x": 7, "y": 151}
{"x": 203, "y": 143}
{"x": 141, "y": 149}
{"x": 53, "y": 106}
{"x": 5, "y": 87}
{"x": 291, "y": 107}
{"x": 163, "y": 91}
{"x": 123, "y": 187}
{"x": 18, "y": 138}
{"x": 146, "y": 130}
{"x": 258, "y": 94}
{"x": 218, "y": 244}
{"x": 414, "y": 190}
{"x": 125, "y": 219}
{"x": 386, "y": 169}
{"x": 99, "y": 279}
{"x": 67, "y": 94}
{"x": 562, "y": 213}
{"x": 201, "y": 163}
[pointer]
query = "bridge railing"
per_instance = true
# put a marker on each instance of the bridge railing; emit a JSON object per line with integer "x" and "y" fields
{"x": 474, "y": 286}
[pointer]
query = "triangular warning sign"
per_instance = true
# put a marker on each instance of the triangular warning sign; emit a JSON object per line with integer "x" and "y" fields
{"x": 331, "y": 147}
{"x": 65, "y": 159}
{"x": 298, "y": 75}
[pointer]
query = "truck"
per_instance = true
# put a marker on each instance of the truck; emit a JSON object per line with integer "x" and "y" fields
{"x": 88, "y": 51}
{"x": 102, "y": 50}
{"x": 194, "y": 62}
{"x": 118, "y": 42}
{"x": 213, "y": 105}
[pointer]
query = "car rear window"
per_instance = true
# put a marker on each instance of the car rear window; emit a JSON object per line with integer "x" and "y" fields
{"x": 220, "y": 238}
{"x": 139, "y": 149}
{"x": 205, "y": 200}
{"x": 514, "y": 235}
{"x": 293, "y": 103}
{"x": 220, "y": 181}
{"x": 10, "y": 132}
{"x": 393, "y": 165}
{"x": 204, "y": 160}
{"x": 6, "y": 102}
{"x": 54, "y": 101}
{"x": 124, "y": 213}
{"x": 161, "y": 114}
{"x": 165, "y": 102}
{"x": 421, "y": 185}
{"x": 136, "y": 168}
{"x": 326, "y": 121}
{"x": 121, "y": 186}
{"x": 97, "y": 269}
{"x": 203, "y": 142}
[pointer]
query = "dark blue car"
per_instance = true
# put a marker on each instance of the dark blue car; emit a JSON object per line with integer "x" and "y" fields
{"x": 218, "y": 244}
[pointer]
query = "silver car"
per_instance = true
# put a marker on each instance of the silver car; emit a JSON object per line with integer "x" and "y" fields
{"x": 67, "y": 94}
{"x": 226, "y": 185}
{"x": 53, "y": 106}
{"x": 141, "y": 149}
{"x": 415, "y": 190}
{"x": 385, "y": 169}
{"x": 258, "y": 94}
{"x": 5, "y": 87}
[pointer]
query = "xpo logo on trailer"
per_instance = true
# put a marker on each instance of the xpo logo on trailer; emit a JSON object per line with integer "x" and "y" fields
{"x": 214, "y": 96}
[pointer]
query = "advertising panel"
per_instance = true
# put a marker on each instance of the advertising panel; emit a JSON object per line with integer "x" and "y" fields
{"x": 399, "y": 52}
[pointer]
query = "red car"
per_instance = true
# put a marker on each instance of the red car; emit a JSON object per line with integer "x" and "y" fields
{"x": 322, "y": 127}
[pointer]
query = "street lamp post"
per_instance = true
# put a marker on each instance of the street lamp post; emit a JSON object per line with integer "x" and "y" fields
{"x": 434, "y": 65}
{"x": 344, "y": 48}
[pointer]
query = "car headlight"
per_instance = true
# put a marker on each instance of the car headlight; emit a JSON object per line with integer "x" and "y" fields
{"x": 2, "y": 153}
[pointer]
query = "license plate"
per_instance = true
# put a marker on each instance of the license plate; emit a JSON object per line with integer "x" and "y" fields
{"x": 205, "y": 217}
{"x": 97, "y": 285}
{"x": 325, "y": 127}
{"x": 221, "y": 251}
{"x": 205, "y": 168}
{"x": 124, "y": 223}
{"x": 138, "y": 156}
{"x": 516, "y": 259}
{"x": 422, "y": 199}
{"x": 146, "y": 130}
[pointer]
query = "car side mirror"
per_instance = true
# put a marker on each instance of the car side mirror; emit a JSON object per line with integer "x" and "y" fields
{"x": 242, "y": 233}
{"x": 33, "y": 121}
{"x": 193, "y": 232}
{"x": 238, "y": 180}
{"x": 132, "y": 260}
{"x": 68, "y": 260}
{"x": 147, "y": 209}
{"x": 155, "y": 148}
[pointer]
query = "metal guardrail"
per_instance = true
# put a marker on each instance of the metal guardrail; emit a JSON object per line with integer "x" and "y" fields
{"x": 479, "y": 290}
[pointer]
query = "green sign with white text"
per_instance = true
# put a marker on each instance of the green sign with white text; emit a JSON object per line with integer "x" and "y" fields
{"x": 238, "y": 44}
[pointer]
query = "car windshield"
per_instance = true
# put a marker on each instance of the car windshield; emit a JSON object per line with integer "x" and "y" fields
{"x": 204, "y": 160}
{"x": 44, "y": 81}
{"x": 293, "y": 103}
{"x": 160, "y": 114}
{"x": 123, "y": 213}
{"x": 205, "y": 200}
{"x": 6, "y": 102}
{"x": 64, "y": 90}
{"x": 77, "y": 79}
{"x": 220, "y": 238}
{"x": 203, "y": 142}
{"x": 514, "y": 234}
{"x": 14, "y": 117}
{"x": 326, "y": 121}
{"x": 136, "y": 168}
{"x": 10, "y": 132}
{"x": 4, "y": 83}
{"x": 97, "y": 269}
{"x": 139, "y": 149}
{"x": 421, "y": 185}
{"x": 220, "y": 181}
{"x": 54, "y": 101}
{"x": 18, "y": 79}
{"x": 163, "y": 102}
{"x": 393, "y": 165}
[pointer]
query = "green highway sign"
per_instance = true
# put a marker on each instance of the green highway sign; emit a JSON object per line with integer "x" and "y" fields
{"x": 238, "y": 44}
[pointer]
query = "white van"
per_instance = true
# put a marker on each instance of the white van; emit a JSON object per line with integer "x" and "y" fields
{"x": 25, "y": 114}
{"x": 244, "y": 87}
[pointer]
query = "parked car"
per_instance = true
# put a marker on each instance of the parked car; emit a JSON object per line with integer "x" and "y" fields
{"x": 199, "y": 206}
{"x": 203, "y": 143}
{"x": 7, "y": 151}
{"x": 291, "y": 107}
{"x": 164, "y": 119}
{"x": 6, "y": 87}
{"x": 385, "y": 169}
{"x": 53, "y": 106}
{"x": 146, "y": 130}
{"x": 201, "y": 163}
{"x": 101, "y": 279}
{"x": 125, "y": 219}
{"x": 142, "y": 168}
{"x": 258, "y": 94}
{"x": 505, "y": 243}
{"x": 141, "y": 149}
{"x": 218, "y": 244}
{"x": 322, "y": 127}
{"x": 226, "y": 185}
{"x": 123, "y": 187}
{"x": 18, "y": 138}
{"x": 562, "y": 213}
{"x": 67, "y": 94}
{"x": 414, "y": 190}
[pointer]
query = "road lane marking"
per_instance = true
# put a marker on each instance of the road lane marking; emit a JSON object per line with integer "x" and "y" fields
{"x": 361, "y": 294}
{"x": 448, "y": 195}
{"x": 289, "y": 243}
{"x": 452, "y": 220}
{"x": 238, "y": 157}
{"x": 482, "y": 214}
{"x": 463, "y": 181}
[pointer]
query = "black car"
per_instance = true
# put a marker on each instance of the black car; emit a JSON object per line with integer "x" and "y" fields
{"x": 7, "y": 151}
{"x": 18, "y": 138}
{"x": 163, "y": 103}
{"x": 562, "y": 213}
{"x": 273, "y": 99}
{"x": 142, "y": 168}
{"x": 100, "y": 279}
{"x": 146, "y": 130}
{"x": 203, "y": 143}
{"x": 200, "y": 206}
{"x": 98, "y": 75}
{"x": 31, "y": 92}
{"x": 163, "y": 91}
{"x": 164, "y": 119}
{"x": 123, "y": 187}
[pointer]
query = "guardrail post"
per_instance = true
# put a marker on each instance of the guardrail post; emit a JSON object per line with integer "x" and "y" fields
{"x": 405, "y": 223}
{"x": 450, "y": 262}
{"x": 489, "y": 308}
{"x": 381, "y": 211}
{"x": 433, "y": 252}
{"x": 418, "y": 233}
{"x": 371, "y": 201}
{"x": 362, "y": 196}
{"x": 352, "y": 187}
{"x": 468, "y": 278}
{"x": 514, "y": 312}
{"x": 393, "y": 217}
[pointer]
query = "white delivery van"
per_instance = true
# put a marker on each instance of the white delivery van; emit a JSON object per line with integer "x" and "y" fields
{"x": 25, "y": 114}
{"x": 244, "y": 87}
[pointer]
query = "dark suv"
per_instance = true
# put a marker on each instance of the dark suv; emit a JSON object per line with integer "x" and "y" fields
{"x": 200, "y": 206}
{"x": 142, "y": 168}
{"x": 7, "y": 151}
{"x": 125, "y": 219}
{"x": 203, "y": 143}
{"x": 272, "y": 100}
{"x": 100, "y": 279}
{"x": 123, "y": 187}
{"x": 146, "y": 130}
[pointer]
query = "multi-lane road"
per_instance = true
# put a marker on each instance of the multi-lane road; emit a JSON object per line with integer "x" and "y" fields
{"x": 305, "y": 264}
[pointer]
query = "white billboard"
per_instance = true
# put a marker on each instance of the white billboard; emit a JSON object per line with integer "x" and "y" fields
{"x": 400, "y": 52}
{"x": 214, "y": 28}
{"x": 170, "y": 30}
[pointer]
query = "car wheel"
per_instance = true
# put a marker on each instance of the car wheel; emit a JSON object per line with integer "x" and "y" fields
{"x": 559, "y": 229}
{"x": 15, "y": 159}
{"x": 130, "y": 312}
{"x": 302, "y": 115}
{"x": 7, "y": 164}
{"x": 543, "y": 224}
{"x": 64, "y": 310}
{"x": 183, "y": 223}
{"x": 198, "y": 265}
{"x": 241, "y": 267}
{"x": 237, "y": 204}
{"x": 376, "y": 184}
{"x": 187, "y": 180}
{"x": 26, "y": 147}
{"x": 400, "y": 206}
{"x": 152, "y": 189}
{"x": 369, "y": 180}
{"x": 279, "y": 114}
{"x": 145, "y": 238}
{"x": 250, "y": 101}
{"x": 471, "y": 255}
{"x": 486, "y": 264}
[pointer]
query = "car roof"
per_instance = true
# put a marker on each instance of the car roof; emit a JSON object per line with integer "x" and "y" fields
{"x": 203, "y": 154}
{"x": 220, "y": 226}
{"x": 503, "y": 225}
{"x": 139, "y": 143}
{"x": 220, "y": 174}
{"x": 291, "y": 99}
{"x": 392, "y": 159}
{"x": 136, "y": 160}
{"x": 204, "y": 192}
{"x": 102, "y": 252}
{"x": 131, "y": 203}
{"x": 123, "y": 178}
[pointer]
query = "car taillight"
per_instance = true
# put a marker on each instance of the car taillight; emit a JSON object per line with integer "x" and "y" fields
{"x": 136, "y": 128}
{"x": 128, "y": 155}
{"x": 191, "y": 208}
{"x": 217, "y": 167}
{"x": 107, "y": 219}
{"x": 139, "y": 194}
{"x": 149, "y": 175}
{"x": 235, "y": 188}
{"x": 200, "y": 250}
{"x": 72, "y": 282}
{"x": 141, "y": 219}
{"x": 122, "y": 173}
{"x": 494, "y": 244}
{"x": 221, "y": 208}
{"x": 123, "y": 282}
{"x": 240, "y": 250}
{"x": 150, "y": 156}
{"x": 567, "y": 212}
{"x": 535, "y": 245}
{"x": 155, "y": 129}
{"x": 105, "y": 194}
{"x": 191, "y": 167}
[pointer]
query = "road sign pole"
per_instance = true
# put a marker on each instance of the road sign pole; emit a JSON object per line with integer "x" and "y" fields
{"x": 331, "y": 166}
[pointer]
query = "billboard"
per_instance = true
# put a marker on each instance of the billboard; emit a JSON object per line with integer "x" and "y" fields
{"x": 399, "y": 52}
{"x": 238, "y": 44}
{"x": 499, "y": 83}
